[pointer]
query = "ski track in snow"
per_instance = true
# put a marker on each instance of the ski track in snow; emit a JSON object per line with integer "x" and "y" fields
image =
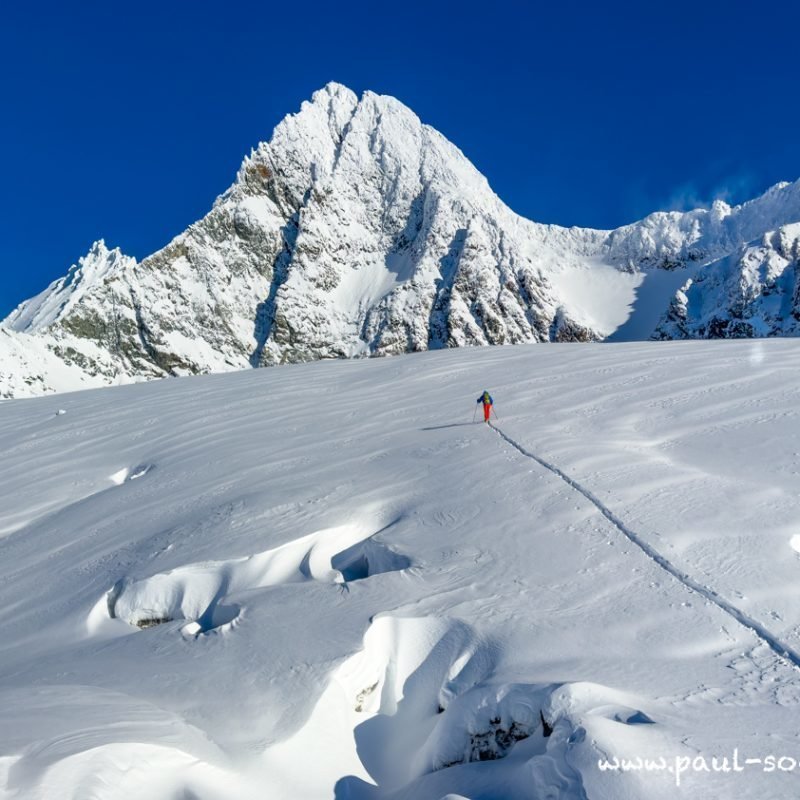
{"x": 706, "y": 592}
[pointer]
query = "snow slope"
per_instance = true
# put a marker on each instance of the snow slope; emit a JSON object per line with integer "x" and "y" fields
{"x": 29, "y": 368}
{"x": 346, "y": 589}
{"x": 358, "y": 230}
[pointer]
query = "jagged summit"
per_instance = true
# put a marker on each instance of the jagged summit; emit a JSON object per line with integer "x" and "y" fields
{"x": 55, "y": 302}
{"x": 359, "y": 230}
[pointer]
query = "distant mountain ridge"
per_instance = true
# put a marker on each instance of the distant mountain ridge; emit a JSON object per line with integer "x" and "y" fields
{"x": 357, "y": 230}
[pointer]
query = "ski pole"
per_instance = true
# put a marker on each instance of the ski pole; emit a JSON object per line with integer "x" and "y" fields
{"x": 495, "y": 414}
{"x": 474, "y": 413}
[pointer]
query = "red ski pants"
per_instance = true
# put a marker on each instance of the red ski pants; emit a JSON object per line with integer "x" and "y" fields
{"x": 487, "y": 410}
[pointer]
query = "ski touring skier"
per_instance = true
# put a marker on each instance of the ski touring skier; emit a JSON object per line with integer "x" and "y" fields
{"x": 487, "y": 401}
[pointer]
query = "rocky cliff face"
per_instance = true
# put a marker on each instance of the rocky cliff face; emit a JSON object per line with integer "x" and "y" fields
{"x": 357, "y": 230}
{"x": 754, "y": 293}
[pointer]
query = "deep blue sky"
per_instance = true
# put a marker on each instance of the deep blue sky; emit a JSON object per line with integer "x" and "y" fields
{"x": 125, "y": 121}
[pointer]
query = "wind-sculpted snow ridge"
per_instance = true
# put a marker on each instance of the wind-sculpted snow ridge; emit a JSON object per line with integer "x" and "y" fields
{"x": 194, "y": 592}
{"x": 358, "y": 230}
{"x": 416, "y": 712}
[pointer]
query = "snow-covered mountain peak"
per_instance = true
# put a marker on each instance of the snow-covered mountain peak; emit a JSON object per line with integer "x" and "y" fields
{"x": 55, "y": 302}
{"x": 336, "y": 131}
{"x": 357, "y": 229}
{"x": 336, "y": 92}
{"x": 676, "y": 238}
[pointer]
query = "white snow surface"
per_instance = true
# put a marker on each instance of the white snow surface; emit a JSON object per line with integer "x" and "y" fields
{"x": 349, "y": 590}
{"x": 28, "y": 368}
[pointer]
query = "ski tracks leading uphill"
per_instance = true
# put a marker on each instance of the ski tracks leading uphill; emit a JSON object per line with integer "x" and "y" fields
{"x": 780, "y": 649}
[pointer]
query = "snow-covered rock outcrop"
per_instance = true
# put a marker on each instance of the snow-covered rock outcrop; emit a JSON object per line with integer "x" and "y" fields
{"x": 358, "y": 230}
{"x": 754, "y": 293}
{"x": 61, "y": 296}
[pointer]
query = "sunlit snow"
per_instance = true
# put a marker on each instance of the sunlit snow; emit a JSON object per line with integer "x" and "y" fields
{"x": 326, "y": 581}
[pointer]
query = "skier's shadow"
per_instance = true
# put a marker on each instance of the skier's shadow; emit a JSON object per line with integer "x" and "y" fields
{"x": 451, "y": 425}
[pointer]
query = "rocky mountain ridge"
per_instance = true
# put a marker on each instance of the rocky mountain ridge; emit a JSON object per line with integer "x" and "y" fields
{"x": 356, "y": 231}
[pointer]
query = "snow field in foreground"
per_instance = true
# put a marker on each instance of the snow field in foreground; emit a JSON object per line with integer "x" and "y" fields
{"x": 324, "y": 581}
